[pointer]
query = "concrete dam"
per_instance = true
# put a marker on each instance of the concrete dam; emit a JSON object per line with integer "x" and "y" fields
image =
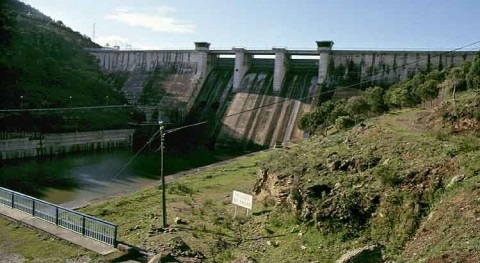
{"x": 224, "y": 86}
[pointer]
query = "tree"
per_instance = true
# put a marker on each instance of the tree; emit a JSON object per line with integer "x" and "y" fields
{"x": 473, "y": 75}
{"x": 401, "y": 95}
{"x": 373, "y": 96}
{"x": 356, "y": 107}
{"x": 317, "y": 118}
{"x": 344, "y": 122}
{"x": 428, "y": 90}
{"x": 417, "y": 79}
{"x": 338, "y": 110}
{"x": 7, "y": 25}
{"x": 304, "y": 123}
{"x": 437, "y": 75}
{"x": 457, "y": 76}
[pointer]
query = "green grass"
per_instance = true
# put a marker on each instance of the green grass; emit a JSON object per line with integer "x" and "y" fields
{"x": 204, "y": 201}
{"x": 36, "y": 246}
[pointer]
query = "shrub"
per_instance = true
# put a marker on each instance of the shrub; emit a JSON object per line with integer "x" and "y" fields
{"x": 473, "y": 75}
{"x": 374, "y": 98}
{"x": 180, "y": 189}
{"x": 344, "y": 122}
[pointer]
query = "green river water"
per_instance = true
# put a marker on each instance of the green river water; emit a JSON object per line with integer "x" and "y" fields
{"x": 75, "y": 180}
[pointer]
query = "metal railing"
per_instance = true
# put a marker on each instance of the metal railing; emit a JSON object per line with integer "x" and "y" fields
{"x": 80, "y": 223}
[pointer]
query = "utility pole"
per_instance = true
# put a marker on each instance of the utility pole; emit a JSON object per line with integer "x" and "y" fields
{"x": 162, "y": 176}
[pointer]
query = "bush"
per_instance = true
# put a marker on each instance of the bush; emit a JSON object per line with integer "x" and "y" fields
{"x": 180, "y": 189}
{"x": 373, "y": 96}
{"x": 344, "y": 122}
{"x": 427, "y": 90}
{"x": 401, "y": 95}
{"x": 473, "y": 75}
{"x": 357, "y": 106}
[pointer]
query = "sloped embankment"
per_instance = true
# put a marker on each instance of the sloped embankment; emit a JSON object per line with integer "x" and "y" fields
{"x": 394, "y": 185}
{"x": 389, "y": 183}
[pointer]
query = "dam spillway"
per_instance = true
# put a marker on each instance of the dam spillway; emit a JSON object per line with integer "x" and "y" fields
{"x": 217, "y": 85}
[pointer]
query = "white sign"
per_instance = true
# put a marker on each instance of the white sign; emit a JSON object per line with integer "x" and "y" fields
{"x": 241, "y": 199}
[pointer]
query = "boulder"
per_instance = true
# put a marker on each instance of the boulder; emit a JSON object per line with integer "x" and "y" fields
{"x": 161, "y": 257}
{"x": 367, "y": 254}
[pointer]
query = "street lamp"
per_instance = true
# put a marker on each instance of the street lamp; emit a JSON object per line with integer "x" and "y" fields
{"x": 21, "y": 102}
{"x": 162, "y": 176}
{"x": 106, "y": 100}
{"x": 70, "y": 101}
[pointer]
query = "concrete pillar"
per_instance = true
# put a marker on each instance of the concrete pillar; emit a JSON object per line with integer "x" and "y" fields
{"x": 204, "y": 66}
{"x": 324, "y": 48}
{"x": 243, "y": 63}
{"x": 281, "y": 65}
{"x": 202, "y": 46}
{"x": 203, "y": 62}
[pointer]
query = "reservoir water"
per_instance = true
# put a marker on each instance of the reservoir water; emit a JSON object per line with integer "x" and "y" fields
{"x": 74, "y": 180}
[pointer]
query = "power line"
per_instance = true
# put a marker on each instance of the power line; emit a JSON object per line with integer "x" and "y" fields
{"x": 352, "y": 85}
{"x": 184, "y": 127}
{"x": 69, "y": 108}
{"x": 281, "y": 101}
{"x": 326, "y": 92}
{"x": 414, "y": 62}
{"x": 150, "y": 140}
{"x": 136, "y": 154}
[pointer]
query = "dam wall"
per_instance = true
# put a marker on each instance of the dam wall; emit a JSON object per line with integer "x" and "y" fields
{"x": 223, "y": 87}
{"x": 62, "y": 143}
{"x": 177, "y": 75}
{"x": 387, "y": 67}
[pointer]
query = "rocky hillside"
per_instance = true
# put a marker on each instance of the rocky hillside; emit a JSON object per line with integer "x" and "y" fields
{"x": 407, "y": 181}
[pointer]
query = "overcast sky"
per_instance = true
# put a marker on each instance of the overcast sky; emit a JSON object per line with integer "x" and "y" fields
{"x": 359, "y": 24}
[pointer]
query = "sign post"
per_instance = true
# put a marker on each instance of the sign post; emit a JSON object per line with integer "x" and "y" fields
{"x": 243, "y": 200}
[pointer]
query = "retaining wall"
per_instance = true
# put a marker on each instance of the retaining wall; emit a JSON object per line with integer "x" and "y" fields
{"x": 61, "y": 143}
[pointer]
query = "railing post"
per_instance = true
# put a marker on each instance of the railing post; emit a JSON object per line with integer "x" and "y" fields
{"x": 13, "y": 199}
{"x": 115, "y": 237}
{"x": 33, "y": 208}
{"x": 83, "y": 225}
{"x": 56, "y": 215}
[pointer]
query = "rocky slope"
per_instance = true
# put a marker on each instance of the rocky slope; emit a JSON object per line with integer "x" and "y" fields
{"x": 407, "y": 181}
